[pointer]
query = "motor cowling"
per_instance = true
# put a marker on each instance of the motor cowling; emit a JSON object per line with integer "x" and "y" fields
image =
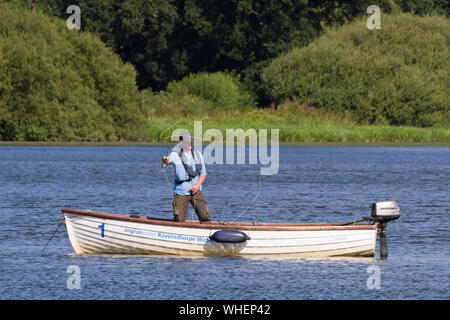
{"x": 385, "y": 211}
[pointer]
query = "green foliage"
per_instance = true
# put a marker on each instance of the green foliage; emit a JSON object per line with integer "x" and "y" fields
{"x": 60, "y": 84}
{"x": 166, "y": 104}
{"x": 397, "y": 75}
{"x": 223, "y": 90}
{"x": 167, "y": 40}
{"x": 423, "y": 7}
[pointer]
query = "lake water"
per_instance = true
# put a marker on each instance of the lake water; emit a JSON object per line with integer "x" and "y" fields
{"x": 314, "y": 184}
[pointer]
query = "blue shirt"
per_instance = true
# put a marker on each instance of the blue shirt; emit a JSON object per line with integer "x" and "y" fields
{"x": 181, "y": 173}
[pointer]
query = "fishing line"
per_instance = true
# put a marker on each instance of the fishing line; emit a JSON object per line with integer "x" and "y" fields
{"x": 168, "y": 183}
{"x": 259, "y": 187}
{"x": 173, "y": 125}
{"x": 164, "y": 164}
{"x": 195, "y": 209}
{"x": 251, "y": 202}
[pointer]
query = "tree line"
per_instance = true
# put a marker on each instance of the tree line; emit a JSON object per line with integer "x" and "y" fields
{"x": 170, "y": 47}
{"x": 168, "y": 39}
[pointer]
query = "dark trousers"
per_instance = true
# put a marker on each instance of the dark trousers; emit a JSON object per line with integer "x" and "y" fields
{"x": 198, "y": 202}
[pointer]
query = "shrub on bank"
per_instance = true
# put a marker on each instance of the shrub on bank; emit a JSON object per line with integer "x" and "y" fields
{"x": 223, "y": 90}
{"x": 59, "y": 84}
{"x": 171, "y": 105}
{"x": 398, "y": 75}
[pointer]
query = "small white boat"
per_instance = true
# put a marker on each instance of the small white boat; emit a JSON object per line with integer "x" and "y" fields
{"x": 99, "y": 233}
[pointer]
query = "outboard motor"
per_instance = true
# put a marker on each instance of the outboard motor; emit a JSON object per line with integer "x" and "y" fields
{"x": 384, "y": 212}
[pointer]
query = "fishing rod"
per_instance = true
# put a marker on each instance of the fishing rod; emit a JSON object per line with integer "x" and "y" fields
{"x": 174, "y": 138}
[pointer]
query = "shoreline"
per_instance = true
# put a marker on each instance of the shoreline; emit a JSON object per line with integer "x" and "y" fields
{"x": 156, "y": 144}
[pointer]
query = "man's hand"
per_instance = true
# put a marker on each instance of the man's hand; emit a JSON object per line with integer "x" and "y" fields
{"x": 166, "y": 160}
{"x": 194, "y": 188}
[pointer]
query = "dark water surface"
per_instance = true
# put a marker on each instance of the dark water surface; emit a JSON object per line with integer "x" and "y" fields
{"x": 314, "y": 184}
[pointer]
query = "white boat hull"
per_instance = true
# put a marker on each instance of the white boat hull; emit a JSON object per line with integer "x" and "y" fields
{"x": 98, "y": 233}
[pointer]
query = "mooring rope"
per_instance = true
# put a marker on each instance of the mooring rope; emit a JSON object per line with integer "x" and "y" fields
{"x": 59, "y": 224}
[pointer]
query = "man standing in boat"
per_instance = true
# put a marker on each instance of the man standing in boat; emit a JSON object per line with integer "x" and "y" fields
{"x": 190, "y": 173}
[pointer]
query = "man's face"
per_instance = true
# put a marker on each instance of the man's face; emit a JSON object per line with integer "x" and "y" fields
{"x": 186, "y": 145}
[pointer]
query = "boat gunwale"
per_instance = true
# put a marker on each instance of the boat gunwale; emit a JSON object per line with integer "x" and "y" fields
{"x": 260, "y": 226}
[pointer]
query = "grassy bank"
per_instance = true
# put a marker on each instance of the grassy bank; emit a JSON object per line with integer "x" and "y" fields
{"x": 297, "y": 124}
